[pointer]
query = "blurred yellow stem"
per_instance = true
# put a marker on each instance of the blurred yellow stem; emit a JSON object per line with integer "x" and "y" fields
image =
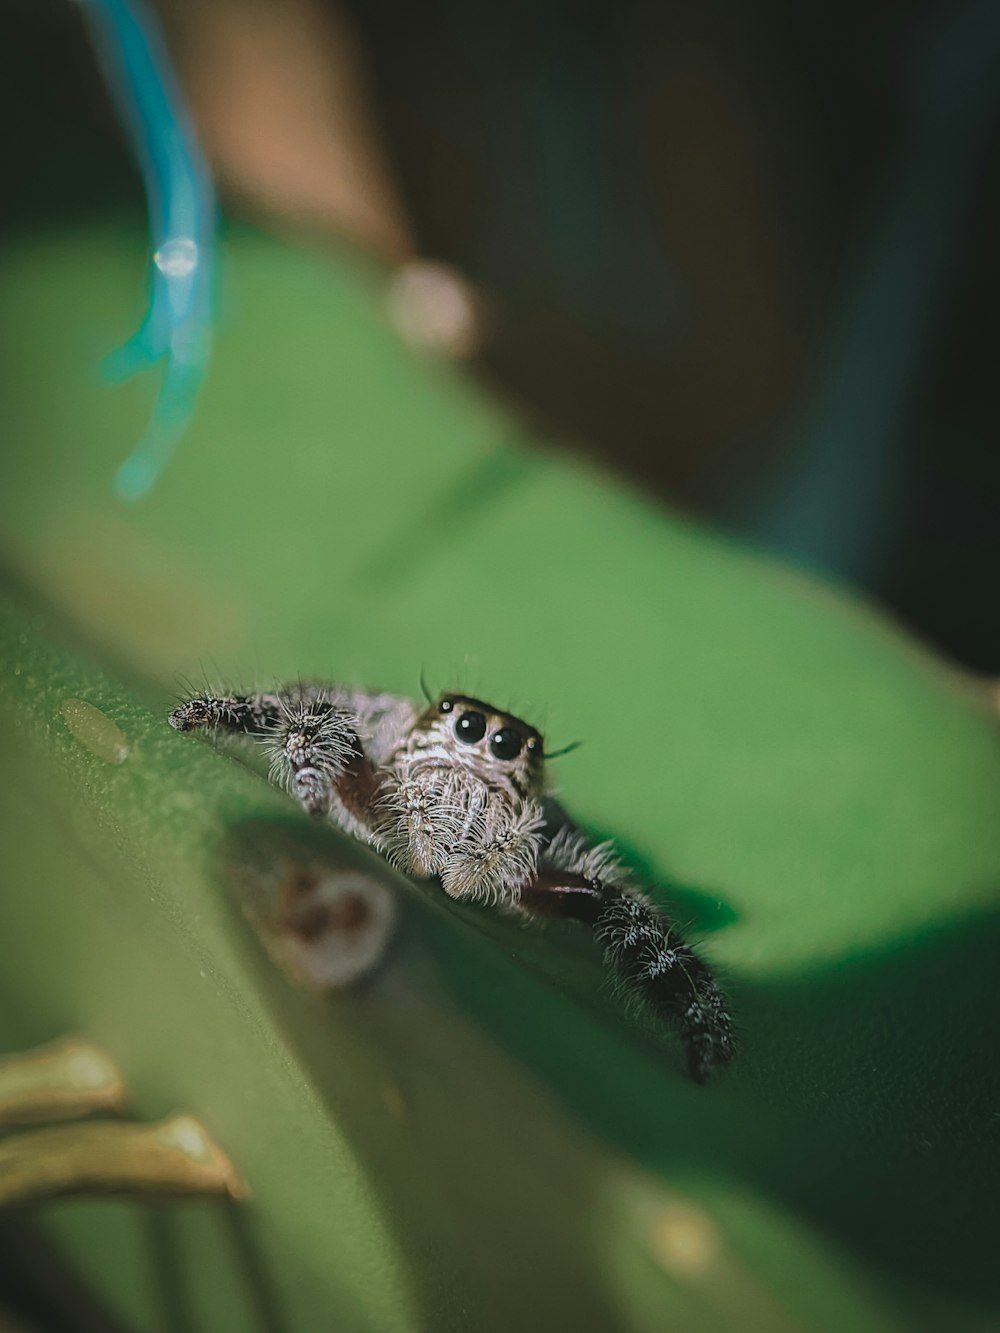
{"x": 63, "y": 1080}
{"x": 174, "y": 1157}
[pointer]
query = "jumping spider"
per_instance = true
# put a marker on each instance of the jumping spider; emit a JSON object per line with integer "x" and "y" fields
{"x": 456, "y": 790}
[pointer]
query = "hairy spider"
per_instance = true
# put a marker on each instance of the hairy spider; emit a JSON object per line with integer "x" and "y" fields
{"x": 456, "y": 791}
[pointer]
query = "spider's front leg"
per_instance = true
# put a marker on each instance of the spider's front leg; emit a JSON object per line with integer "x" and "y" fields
{"x": 313, "y": 741}
{"x": 441, "y": 821}
{"x": 497, "y": 853}
{"x": 646, "y": 953}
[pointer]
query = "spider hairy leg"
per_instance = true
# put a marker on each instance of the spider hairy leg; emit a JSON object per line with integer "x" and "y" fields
{"x": 653, "y": 964}
{"x": 448, "y": 823}
{"x": 645, "y": 953}
{"x": 497, "y": 856}
{"x": 567, "y": 896}
{"x": 418, "y": 819}
{"x": 315, "y": 750}
{"x": 248, "y": 714}
{"x": 312, "y": 746}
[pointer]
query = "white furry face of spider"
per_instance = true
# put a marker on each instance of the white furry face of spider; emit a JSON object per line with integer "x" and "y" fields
{"x": 497, "y": 747}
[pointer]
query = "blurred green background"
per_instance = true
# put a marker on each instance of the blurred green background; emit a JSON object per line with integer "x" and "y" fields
{"x": 765, "y": 308}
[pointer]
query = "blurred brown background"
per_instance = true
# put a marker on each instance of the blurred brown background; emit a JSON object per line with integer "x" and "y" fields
{"x": 743, "y": 254}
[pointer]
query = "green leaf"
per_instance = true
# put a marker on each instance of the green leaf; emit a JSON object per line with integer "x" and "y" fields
{"x": 804, "y": 782}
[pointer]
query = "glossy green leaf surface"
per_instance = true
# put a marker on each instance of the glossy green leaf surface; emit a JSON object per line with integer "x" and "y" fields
{"x": 826, "y": 789}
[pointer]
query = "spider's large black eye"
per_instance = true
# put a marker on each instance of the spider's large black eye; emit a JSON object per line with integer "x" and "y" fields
{"x": 506, "y": 743}
{"x": 470, "y": 727}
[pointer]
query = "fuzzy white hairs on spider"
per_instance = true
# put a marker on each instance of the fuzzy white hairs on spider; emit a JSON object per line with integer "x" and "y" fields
{"x": 455, "y": 792}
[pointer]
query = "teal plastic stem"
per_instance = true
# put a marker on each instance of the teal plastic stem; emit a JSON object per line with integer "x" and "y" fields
{"x": 182, "y": 221}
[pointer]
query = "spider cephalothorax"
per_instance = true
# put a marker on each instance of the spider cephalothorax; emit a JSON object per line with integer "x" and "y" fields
{"x": 495, "y": 747}
{"x": 455, "y": 791}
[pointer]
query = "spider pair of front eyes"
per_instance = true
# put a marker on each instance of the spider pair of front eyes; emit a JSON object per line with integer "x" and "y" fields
{"x": 470, "y": 728}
